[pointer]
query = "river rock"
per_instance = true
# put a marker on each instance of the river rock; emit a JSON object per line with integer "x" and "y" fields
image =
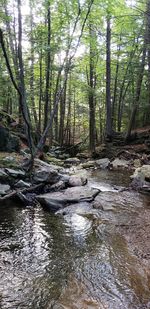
{"x": 111, "y": 201}
{"x": 47, "y": 175}
{"x": 4, "y": 189}
{"x": 22, "y": 184}
{"x": 58, "y": 186}
{"x": 54, "y": 160}
{"x": 88, "y": 164}
{"x": 57, "y": 200}
{"x": 103, "y": 163}
{"x": 15, "y": 173}
{"x": 3, "y": 175}
{"x": 119, "y": 163}
{"x": 72, "y": 161}
{"x": 8, "y": 142}
{"x": 142, "y": 172}
{"x": 75, "y": 181}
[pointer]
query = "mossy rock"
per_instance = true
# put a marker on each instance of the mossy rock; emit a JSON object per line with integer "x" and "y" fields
{"x": 54, "y": 160}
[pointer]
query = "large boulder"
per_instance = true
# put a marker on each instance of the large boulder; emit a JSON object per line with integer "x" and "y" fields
{"x": 13, "y": 143}
{"x": 4, "y": 134}
{"x": 8, "y": 142}
{"x": 142, "y": 172}
{"x": 57, "y": 200}
{"x": 102, "y": 163}
{"x": 76, "y": 181}
{"x": 47, "y": 175}
{"x": 120, "y": 164}
{"x": 141, "y": 179}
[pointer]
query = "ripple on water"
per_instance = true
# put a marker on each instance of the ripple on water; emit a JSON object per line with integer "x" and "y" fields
{"x": 70, "y": 261}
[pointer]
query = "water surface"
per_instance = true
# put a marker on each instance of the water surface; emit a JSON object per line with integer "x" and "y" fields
{"x": 73, "y": 261}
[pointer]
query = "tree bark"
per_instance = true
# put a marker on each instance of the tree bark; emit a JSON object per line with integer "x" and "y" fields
{"x": 48, "y": 61}
{"x": 92, "y": 129}
{"x": 108, "y": 81}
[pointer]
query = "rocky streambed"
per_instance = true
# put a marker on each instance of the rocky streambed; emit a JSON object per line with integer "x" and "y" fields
{"x": 91, "y": 249}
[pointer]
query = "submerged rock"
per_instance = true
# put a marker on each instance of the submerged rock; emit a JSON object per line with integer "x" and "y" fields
{"x": 111, "y": 201}
{"x": 57, "y": 200}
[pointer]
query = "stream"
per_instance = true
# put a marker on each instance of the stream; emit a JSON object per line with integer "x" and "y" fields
{"x": 79, "y": 260}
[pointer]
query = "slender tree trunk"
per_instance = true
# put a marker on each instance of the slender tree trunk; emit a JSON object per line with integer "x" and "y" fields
{"x": 62, "y": 114}
{"x": 32, "y": 67}
{"x": 115, "y": 88}
{"x": 108, "y": 81}
{"x": 92, "y": 130}
{"x": 147, "y": 120}
{"x": 22, "y": 97}
{"x": 40, "y": 92}
{"x": 137, "y": 94}
{"x": 48, "y": 61}
{"x": 74, "y": 118}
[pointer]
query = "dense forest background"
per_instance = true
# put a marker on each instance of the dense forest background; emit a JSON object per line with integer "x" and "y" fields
{"x": 75, "y": 70}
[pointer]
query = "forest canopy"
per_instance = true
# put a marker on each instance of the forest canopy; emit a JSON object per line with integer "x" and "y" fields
{"x": 75, "y": 70}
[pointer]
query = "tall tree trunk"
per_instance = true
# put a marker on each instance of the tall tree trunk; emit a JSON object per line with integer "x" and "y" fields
{"x": 108, "y": 81}
{"x": 115, "y": 88}
{"x": 141, "y": 71}
{"x": 92, "y": 130}
{"x": 40, "y": 92}
{"x": 32, "y": 67}
{"x": 147, "y": 120}
{"x": 48, "y": 61}
{"x": 138, "y": 92}
{"x": 22, "y": 97}
{"x": 62, "y": 113}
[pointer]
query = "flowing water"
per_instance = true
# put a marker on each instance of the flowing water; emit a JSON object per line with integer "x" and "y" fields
{"x": 73, "y": 261}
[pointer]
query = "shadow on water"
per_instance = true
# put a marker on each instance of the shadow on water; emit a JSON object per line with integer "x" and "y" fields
{"x": 71, "y": 261}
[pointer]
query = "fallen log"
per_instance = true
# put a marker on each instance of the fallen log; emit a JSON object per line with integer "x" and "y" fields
{"x": 16, "y": 192}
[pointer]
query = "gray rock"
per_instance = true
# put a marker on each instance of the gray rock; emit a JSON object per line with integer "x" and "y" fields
{"x": 4, "y": 134}
{"x": 60, "y": 185}
{"x": 3, "y": 176}
{"x": 72, "y": 161}
{"x": 8, "y": 142}
{"x": 112, "y": 201}
{"x": 75, "y": 181}
{"x": 103, "y": 163}
{"x": 88, "y": 164}
{"x": 22, "y": 184}
{"x": 57, "y": 200}
{"x": 4, "y": 189}
{"x": 15, "y": 173}
{"x": 47, "y": 175}
{"x": 142, "y": 172}
{"x": 13, "y": 143}
{"x": 120, "y": 163}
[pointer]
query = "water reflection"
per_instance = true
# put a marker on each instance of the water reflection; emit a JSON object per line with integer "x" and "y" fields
{"x": 73, "y": 261}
